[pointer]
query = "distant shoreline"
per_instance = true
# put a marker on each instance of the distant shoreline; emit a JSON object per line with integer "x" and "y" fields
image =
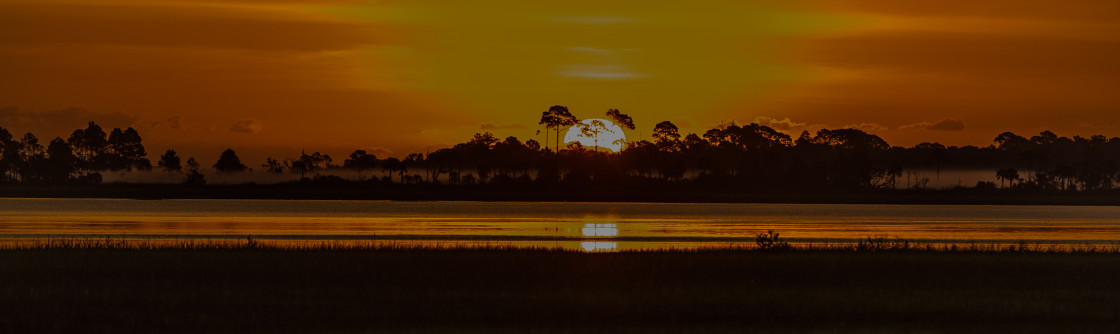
{"x": 314, "y": 191}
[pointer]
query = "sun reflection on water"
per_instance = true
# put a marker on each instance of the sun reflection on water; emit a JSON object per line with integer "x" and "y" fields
{"x": 600, "y": 230}
{"x": 599, "y": 246}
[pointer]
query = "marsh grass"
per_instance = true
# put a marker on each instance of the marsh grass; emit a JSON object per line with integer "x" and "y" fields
{"x": 766, "y": 242}
{"x": 260, "y": 286}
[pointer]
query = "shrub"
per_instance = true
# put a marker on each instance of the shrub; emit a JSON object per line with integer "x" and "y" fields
{"x": 771, "y": 241}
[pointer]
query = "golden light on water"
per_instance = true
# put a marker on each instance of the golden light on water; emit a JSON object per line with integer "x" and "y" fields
{"x": 573, "y": 226}
{"x": 599, "y": 230}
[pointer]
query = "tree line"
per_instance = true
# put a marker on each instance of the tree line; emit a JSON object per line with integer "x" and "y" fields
{"x": 729, "y": 157}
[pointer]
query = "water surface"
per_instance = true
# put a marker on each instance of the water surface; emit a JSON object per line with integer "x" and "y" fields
{"x": 589, "y": 226}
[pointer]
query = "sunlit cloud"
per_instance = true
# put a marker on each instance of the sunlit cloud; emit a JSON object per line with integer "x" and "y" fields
{"x": 948, "y": 124}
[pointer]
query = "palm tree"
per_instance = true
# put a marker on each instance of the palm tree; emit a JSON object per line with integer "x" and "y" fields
{"x": 1009, "y": 174}
{"x": 390, "y": 165}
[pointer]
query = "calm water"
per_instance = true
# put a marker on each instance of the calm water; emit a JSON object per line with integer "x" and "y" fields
{"x": 590, "y": 226}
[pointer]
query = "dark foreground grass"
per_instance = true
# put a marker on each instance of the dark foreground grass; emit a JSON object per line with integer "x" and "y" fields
{"x": 394, "y": 289}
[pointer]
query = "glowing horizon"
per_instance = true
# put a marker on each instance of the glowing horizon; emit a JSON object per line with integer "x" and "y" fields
{"x": 395, "y": 77}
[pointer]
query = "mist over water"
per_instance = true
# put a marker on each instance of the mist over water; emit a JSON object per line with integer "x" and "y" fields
{"x": 945, "y": 178}
{"x": 922, "y": 178}
{"x": 587, "y": 226}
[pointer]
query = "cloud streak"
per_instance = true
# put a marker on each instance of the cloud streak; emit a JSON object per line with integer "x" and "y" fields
{"x": 948, "y": 124}
{"x": 501, "y": 126}
{"x": 247, "y": 126}
{"x": 60, "y": 122}
{"x": 599, "y": 72}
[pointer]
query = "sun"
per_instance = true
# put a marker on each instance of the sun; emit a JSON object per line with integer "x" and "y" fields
{"x": 597, "y": 132}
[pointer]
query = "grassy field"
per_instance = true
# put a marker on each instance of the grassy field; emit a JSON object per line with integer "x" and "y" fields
{"x": 257, "y": 290}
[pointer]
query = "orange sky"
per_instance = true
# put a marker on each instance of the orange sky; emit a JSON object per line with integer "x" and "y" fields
{"x": 269, "y": 77}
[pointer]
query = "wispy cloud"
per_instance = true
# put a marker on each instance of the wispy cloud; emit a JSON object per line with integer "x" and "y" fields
{"x": 501, "y": 126}
{"x": 599, "y": 72}
{"x": 948, "y": 124}
{"x": 590, "y": 50}
{"x": 867, "y": 127}
{"x": 246, "y": 126}
{"x": 60, "y": 122}
{"x": 785, "y": 124}
{"x": 601, "y": 20}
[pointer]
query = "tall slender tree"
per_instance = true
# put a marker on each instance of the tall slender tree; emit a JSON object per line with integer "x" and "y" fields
{"x": 556, "y": 117}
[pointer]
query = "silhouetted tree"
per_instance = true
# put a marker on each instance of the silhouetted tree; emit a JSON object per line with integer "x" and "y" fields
{"x": 125, "y": 151}
{"x": 194, "y": 175}
{"x": 308, "y": 163}
{"x": 229, "y": 163}
{"x": 442, "y": 161}
{"x": 747, "y": 137}
{"x": 850, "y": 139}
{"x": 60, "y": 161}
{"x": 170, "y": 162}
{"x": 273, "y": 166}
{"x": 593, "y": 130}
{"x": 533, "y": 145}
{"x": 666, "y": 136}
{"x": 413, "y": 159}
{"x": 557, "y": 117}
{"x": 1043, "y": 138}
{"x": 1095, "y": 172}
{"x": 30, "y": 147}
{"x": 1007, "y": 174}
{"x": 1011, "y": 141}
{"x": 89, "y": 147}
{"x": 9, "y": 156}
{"x": 728, "y": 157}
{"x": 360, "y": 161}
{"x": 623, "y": 120}
{"x": 934, "y": 154}
{"x": 390, "y": 165}
{"x": 32, "y": 159}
